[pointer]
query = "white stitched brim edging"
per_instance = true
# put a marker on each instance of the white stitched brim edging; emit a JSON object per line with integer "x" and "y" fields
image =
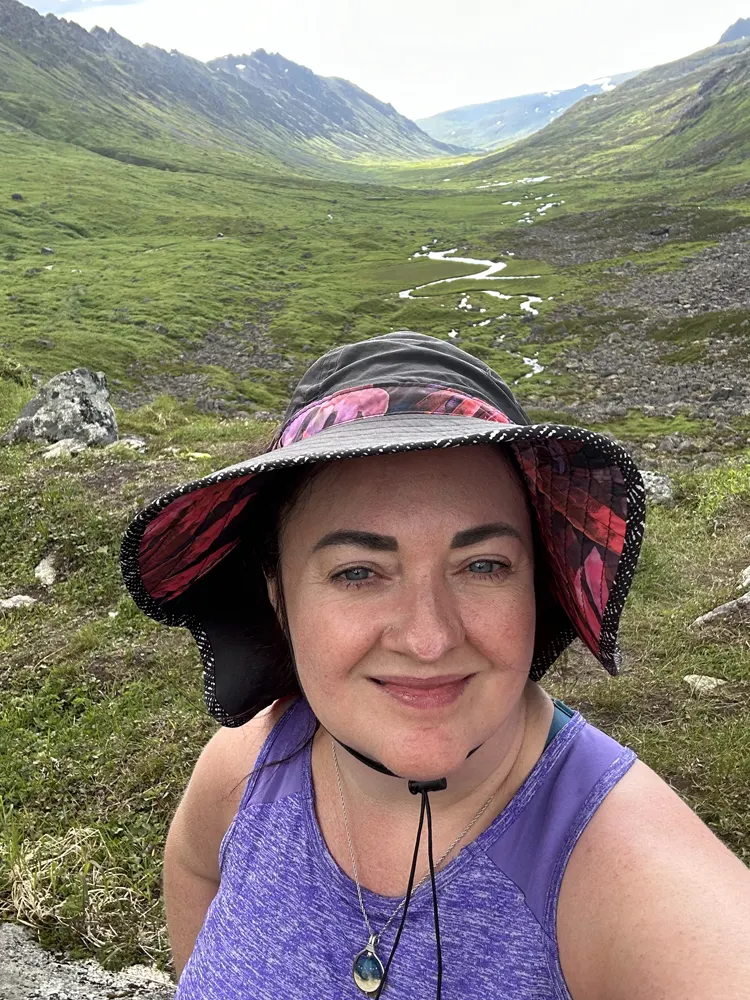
{"x": 348, "y": 440}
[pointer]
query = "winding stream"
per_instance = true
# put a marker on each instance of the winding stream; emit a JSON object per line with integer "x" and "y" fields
{"x": 490, "y": 273}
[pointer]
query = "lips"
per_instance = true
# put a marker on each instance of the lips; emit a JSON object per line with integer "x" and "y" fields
{"x": 421, "y": 683}
{"x": 424, "y": 692}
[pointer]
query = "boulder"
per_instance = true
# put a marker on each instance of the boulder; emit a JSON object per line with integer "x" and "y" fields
{"x": 72, "y": 405}
{"x": 731, "y": 612}
{"x": 744, "y": 583}
{"x": 659, "y": 489}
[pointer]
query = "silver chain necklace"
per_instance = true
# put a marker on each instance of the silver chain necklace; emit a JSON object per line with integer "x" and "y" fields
{"x": 367, "y": 968}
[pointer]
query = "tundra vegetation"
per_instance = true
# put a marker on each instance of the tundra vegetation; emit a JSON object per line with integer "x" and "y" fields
{"x": 204, "y": 290}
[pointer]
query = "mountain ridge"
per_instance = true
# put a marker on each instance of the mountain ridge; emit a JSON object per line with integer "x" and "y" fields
{"x": 740, "y": 29}
{"x": 146, "y": 105}
{"x": 692, "y": 112}
{"x": 491, "y": 124}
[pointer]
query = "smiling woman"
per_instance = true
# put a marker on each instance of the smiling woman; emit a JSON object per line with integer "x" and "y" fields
{"x": 376, "y": 600}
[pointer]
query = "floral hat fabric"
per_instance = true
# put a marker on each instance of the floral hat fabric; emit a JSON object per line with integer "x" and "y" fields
{"x": 184, "y": 557}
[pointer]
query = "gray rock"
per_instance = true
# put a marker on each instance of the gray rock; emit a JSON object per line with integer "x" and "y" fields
{"x": 19, "y": 601}
{"x": 68, "y": 446}
{"x": 702, "y": 683}
{"x": 744, "y": 584}
{"x": 45, "y": 572}
{"x": 47, "y": 250}
{"x": 659, "y": 488}
{"x": 731, "y": 612}
{"x": 136, "y": 443}
{"x": 73, "y": 405}
{"x": 27, "y": 972}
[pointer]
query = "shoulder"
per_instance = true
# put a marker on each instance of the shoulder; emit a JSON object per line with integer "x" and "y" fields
{"x": 214, "y": 792}
{"x": 652, "y": 904}
{"x": 225, "y": 763}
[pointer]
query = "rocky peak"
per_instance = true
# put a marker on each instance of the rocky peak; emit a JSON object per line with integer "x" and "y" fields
{"x": 740, "y": 29}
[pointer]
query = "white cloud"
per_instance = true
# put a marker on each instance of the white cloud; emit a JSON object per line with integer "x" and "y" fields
{"x": 421, "y": 55}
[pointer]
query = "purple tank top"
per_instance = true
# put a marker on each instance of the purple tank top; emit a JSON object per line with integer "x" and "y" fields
{"x": 286, "y": 923}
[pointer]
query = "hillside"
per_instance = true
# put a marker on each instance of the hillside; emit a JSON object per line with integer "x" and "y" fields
{"x": 500, "y": 123}
{"x": 327, "y": 108}
{"x": 142, "y": 104}
{"x": 692, "y": 112}
{"x": 617, "y": 297}
{"x": 740, "y": 29}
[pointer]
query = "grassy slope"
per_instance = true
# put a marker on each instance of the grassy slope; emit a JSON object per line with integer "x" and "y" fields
{"x": 143, "y": 105}
{"x": 101, "y": 717}
{"x": 663, "y": 117}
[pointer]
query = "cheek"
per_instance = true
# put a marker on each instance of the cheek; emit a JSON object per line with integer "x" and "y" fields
{"x": 503, "y": 630}
{"x": 330, "y": 636}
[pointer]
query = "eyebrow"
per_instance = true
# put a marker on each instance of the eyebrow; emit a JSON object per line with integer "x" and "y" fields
{"x": 364, "y": 539}
{"x": 472, "y": 536}
{"x": 387, "y": 543}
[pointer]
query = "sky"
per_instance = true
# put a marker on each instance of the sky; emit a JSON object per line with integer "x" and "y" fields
{"x": 426, "y": 56}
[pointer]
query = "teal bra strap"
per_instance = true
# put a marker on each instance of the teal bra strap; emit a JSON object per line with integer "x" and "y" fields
{"x": 563, "y": 715}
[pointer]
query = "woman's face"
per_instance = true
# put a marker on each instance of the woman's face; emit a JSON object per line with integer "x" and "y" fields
{"x": 409, "y": 588}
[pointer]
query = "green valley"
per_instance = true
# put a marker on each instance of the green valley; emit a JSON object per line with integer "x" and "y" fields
{"x": 202, "y": 264}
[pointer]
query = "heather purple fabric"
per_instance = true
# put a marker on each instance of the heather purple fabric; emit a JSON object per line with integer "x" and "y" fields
{"x": 286, "y": 924}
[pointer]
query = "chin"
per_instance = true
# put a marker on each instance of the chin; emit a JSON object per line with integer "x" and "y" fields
{"x": 425, "y": 765}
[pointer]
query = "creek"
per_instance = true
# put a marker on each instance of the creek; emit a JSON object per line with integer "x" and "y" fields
{"x": 490, "y": 273}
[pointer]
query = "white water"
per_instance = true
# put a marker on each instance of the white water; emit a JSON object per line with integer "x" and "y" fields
{"x": 490, "y": 272}
{"x": 527, "y": 306}
{"x": 491, "y": 268}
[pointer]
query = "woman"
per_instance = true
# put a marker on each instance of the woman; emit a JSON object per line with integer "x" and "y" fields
{"x": 375, "y": 601}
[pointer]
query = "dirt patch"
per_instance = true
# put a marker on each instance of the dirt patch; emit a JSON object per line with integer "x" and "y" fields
{"x": 241, "y": 350}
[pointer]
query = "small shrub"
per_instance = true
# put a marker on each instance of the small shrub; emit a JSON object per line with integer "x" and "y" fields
{"x": 13, "y": 371}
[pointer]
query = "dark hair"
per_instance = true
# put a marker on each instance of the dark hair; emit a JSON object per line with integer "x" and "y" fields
{"x": 275, "y": 502}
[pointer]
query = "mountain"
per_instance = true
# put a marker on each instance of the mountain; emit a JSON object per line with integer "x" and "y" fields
{"x": 740, "y": 29}
{"x": 316, "y": 107}
{"x": 694, "y": 112}
{"x": 144, "y": 105}
{"x": 498, "y": 123}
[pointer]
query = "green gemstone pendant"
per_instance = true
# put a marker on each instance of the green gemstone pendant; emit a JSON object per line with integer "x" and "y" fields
{"x": 367, "y": 968}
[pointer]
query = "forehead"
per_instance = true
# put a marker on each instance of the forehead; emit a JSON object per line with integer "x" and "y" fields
{"x": 455, "y": 487}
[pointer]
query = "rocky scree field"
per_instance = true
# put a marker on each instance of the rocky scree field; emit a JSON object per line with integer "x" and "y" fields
{"x": 202, "y": 294}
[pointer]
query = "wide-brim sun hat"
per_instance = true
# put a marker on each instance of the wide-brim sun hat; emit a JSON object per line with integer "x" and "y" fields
{"x": 188, "y": 557}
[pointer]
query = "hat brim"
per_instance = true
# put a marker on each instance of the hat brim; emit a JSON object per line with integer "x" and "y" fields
{"x": 587, "y": 494}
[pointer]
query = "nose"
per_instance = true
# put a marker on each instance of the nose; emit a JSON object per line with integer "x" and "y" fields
{"x": 426, "y": 623}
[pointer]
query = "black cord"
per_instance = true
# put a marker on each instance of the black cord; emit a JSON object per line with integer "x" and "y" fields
{"x": 438, "y": 944}
{"x": 412, "y": 873}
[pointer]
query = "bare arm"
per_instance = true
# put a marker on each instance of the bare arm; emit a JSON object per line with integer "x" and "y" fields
{"x": 653, "y": 906}
{"x": 207, "y": 808}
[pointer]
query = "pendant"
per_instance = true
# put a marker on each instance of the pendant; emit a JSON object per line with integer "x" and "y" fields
{"x": 367, "y": 968}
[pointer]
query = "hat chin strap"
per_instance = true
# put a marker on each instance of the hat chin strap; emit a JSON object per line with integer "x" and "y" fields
{"x": 416, "y": 788}
{"x": 377, "y": 766}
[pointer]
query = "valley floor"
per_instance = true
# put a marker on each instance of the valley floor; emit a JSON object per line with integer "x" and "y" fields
{"x": 203, "y": 297}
